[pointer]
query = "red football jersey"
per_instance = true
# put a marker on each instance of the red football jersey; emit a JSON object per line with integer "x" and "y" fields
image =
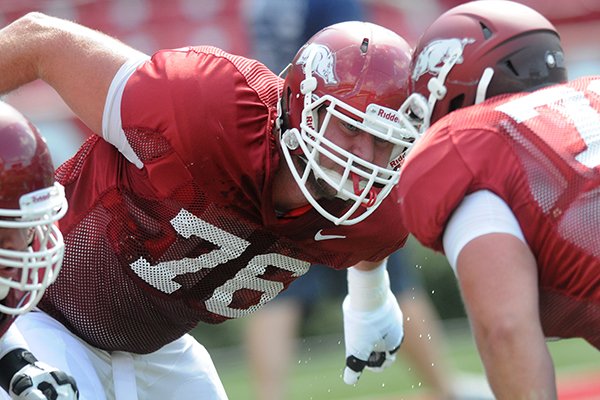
{"x": 193, "y": 235}
{"x": 540, "y": 152}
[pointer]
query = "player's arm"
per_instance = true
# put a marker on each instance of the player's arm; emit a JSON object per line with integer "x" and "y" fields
{"x": 78, "y": 62}
{"x": 373, "y": 322}
{"x": 25, "y": 378}
{"x": 498, "y": 278}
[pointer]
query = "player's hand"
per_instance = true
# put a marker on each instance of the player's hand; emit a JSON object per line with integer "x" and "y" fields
{"x": 38, "y": 381}
{"x": 372, "y": 338}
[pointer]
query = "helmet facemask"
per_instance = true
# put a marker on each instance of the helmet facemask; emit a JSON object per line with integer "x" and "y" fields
{"x": 37, "y": 266}
{"x": 360, "y": 182}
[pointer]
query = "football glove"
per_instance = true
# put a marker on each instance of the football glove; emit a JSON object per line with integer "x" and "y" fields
{"x": 372, "y": 338}
{"x": 38, "y": 381}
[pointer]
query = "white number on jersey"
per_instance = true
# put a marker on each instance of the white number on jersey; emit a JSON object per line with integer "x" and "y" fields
{"x": 574, "y": 106}
{"x": 161, "y": 276}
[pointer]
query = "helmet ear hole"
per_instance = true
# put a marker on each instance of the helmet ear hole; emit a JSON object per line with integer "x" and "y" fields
{"x": 285, "y": 108}
{"x": 487, "y": 32}
{"x": 511, "y": 67}
{"x": 456, "y": 103}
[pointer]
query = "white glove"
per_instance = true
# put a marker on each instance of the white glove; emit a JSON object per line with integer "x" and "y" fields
{"x": 39, "y": 381}
{"x": 372, "y": 337}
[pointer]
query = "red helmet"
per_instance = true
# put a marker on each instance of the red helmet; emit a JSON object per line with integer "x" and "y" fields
{"x": 358, "y": 72}
{"x": 482, "y": 49}
{"x": 31, "y": 246}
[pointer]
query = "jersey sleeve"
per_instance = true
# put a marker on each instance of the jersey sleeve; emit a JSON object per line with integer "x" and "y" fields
{"x": 446, "y": 166}
{"x": 112, "y": 130}
{"x": 189, "y": 112}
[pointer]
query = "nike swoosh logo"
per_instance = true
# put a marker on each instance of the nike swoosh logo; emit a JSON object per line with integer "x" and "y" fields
{"x": 319, "y": 236}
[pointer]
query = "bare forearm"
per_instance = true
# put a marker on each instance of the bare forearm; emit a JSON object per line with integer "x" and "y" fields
{"x": 517, "y": 367}
{"x": 499, "y": 283}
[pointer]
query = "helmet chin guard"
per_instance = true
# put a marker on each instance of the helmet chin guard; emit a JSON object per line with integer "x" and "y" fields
{"x": 37, "y": 266}
{"x": 316, "y": 82}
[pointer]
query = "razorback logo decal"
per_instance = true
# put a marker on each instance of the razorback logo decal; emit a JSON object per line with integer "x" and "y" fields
{"x": 323, "y": 62}
{"x": 439, "y": 53}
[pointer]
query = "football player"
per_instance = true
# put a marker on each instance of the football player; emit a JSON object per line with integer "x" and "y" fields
{"x": 506, "y": 182}
{"x": 211, "y": 185}
{"x": 31, "y": 253}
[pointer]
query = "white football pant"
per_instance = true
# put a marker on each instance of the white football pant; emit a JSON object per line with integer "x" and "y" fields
{"x": 181, "y": 370}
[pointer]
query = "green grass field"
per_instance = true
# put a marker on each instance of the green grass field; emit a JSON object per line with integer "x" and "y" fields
{"x": 320, "y": 360}
{"x": 317, "y": 374}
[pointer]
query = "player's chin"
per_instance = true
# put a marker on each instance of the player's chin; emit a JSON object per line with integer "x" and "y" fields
{"x": 323, "y": 190}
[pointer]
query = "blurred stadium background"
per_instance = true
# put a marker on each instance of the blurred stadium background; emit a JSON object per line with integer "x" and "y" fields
{"x": 153, "y": 24}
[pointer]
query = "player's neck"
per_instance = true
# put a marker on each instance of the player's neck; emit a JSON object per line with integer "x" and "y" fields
{"x": 286, "y": 193}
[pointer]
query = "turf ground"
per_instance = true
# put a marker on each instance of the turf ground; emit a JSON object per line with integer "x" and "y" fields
{"x": 317, "y": 373}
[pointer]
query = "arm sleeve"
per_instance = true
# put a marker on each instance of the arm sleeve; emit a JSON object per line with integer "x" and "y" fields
{"x": 112, "y": 130}
{"x": 479, "y": 213}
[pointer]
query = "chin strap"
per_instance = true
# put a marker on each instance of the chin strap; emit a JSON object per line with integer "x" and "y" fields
{"x": 296, "y": 212}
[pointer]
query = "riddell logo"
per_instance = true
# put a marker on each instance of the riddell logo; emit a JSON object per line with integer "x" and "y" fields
{"x": 39, "y": 199}
{"x": 389, "y": 115}
{"x": 397, "y": 162}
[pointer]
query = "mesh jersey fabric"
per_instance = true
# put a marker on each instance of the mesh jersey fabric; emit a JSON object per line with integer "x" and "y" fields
{"x": 193, "y": 235}
{"x": 540, "y": 153}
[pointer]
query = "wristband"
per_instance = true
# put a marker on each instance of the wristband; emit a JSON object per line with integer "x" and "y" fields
{"x": 368, "y": 290}
{"x": 12, "y": 363}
